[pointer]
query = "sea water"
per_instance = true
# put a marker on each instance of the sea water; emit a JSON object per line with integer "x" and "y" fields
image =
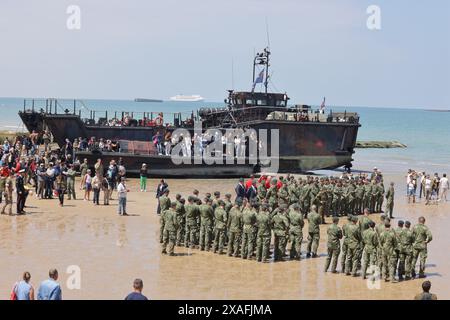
{"x": 426, "y": 133}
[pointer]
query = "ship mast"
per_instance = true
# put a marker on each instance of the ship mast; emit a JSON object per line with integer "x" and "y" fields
{"x": 262, "y": 59}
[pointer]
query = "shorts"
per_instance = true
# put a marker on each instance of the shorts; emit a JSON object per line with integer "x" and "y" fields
{"x": 411, "y": 192}
{"x": 88, "y": 186}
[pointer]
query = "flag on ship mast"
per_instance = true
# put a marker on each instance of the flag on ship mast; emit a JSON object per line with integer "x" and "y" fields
{"x": 322, "y": 106}
{"x": 259, "y": 79}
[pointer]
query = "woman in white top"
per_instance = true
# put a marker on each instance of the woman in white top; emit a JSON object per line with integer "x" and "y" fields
{"x": 87, "y": 181}
{"x": 412, "y": 190}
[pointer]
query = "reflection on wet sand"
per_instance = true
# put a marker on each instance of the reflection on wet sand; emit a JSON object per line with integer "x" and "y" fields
{"x": 112, "y": 250}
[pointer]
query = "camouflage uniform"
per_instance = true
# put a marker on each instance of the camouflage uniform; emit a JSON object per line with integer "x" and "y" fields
{"x": 181, "y": 218}
{"x": 380, "y": 199}
{"x": 170, "y": 230}
{"x": 261, "y": 191}
{"x": 9, "y": 187}
{"x": 314, "y": 220}
{"x": 295, "y": 232}
{"x": 379, "y": 228}
{"x": 353, "y": 234}
{"x": 406, "y": 241}
{"x": 345, "y": 243}
{"x": 248, "y": 221}
{"x": 422, "y": 236}
{"x": 370, "y": 239}
{"x": 234, "y": 231}
{"x": 263, "y": 236}
{"x": 367, "y": 200}
{"x": 272, "y": 196}
{"x": 280, "y": 227}
{"x": 192, "y": 214}
{"x": 388, "y": 243}
{"x": 164, "y": 202}
{"x": 321, "y": 202}
{"x": 359, "y": 195}
{"x": 220, "y": 221}
{"x": 390, "y": 202}
{"x": 334, "y": 247}
{"x": 206, "y": 222}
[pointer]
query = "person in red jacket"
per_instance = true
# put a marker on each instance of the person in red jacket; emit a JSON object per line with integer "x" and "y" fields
{"x": 249, "y": 182}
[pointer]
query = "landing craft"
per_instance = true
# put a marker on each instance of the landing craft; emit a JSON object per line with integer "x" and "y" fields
{"x": 308, "y": 139}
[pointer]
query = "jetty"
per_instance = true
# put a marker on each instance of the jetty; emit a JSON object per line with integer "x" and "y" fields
{"x": 379, "y": 144}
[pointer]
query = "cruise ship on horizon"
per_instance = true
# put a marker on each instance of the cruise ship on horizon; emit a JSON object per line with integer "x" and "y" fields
{"x": 187, "y": 98}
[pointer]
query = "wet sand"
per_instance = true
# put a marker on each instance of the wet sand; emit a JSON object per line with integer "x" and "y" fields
{"x": 112, "y": 250}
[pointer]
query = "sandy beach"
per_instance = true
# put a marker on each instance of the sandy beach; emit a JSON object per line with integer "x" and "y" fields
{"x": 112, "y": 250}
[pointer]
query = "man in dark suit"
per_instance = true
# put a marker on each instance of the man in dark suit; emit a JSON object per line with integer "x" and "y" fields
{"x": 162, "y": 187}
{"x": 251, "y": 192}
{"x": 240, "y": 190}
{"x": 21, "y": 192}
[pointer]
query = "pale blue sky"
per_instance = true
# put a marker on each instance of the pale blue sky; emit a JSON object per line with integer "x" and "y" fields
{"x": 156, "y": 49}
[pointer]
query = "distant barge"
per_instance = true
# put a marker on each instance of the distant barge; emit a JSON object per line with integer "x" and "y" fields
{"x": 147, "y": 100}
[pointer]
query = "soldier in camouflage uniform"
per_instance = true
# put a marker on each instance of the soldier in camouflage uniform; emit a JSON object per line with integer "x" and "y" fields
{"x": 370, "y": 239}
{"x": 234, "y": 226}
{"x": 170, "y": 228}
{"x": 321, "y": 202}
{"x": 380, "y": 199}
{"x": 215, "y": 201}
{"x": 351, "y": 198}
{"x": 307, "y": 190}
{"x": 337, "y": 195}
{"x": 272, "y": 194}
{"x": 9, "y": 188}
{"x": 264, "y": 234}
{"x": 367, "y": 200}
{"x": 280, "y": 227}
{"x": 359, "y": 196}
{"x": 206, "y": 223}
{"x": 301, "y": 187}
{"x": 374, "y": 196}
{"x": 283, "y": 193}
{"x": 293, "y": 192}
{"x": 389, "y": 210}
{"x": 422, "y": 236}
{"x": 295, "y": 231}
{"x": 192, "y": 214}
{"x": 334, "y": 245}
{"x": 344, "y": 199}
{"x": 353, "y": 234}
{"x": 397, "y": 267}
{"x": 330, "y": 190}
{"x": 379, "y": 228}
{"x": 388, "y": 243}
{"x": 181, "y": 218}
{"x": 228, "y": 203}
{"x": 364, "y": 222}
{"x": 314, "y": 220}
{"x": 220, "y": 221}
{"x": 248, "y": 221}
{"x": 261, "y": 191}
{"x": 164, "y": 204}
{"x": 406, "y": 251}
{"x": 345, "y": 242}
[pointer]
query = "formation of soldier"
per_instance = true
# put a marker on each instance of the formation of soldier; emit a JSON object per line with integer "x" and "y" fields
{"x": 386, "y": 251}
{"x": 261, "y": 210}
